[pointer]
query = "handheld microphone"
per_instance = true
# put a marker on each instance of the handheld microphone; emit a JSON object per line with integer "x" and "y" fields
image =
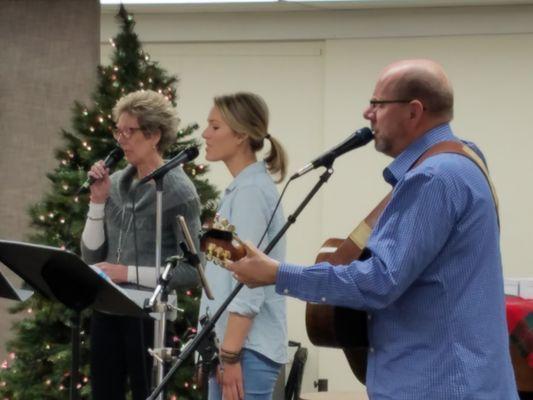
{"x": 189, "y": 154}
{"x": 110, "y": 161}
{"x": 357, "y": 139}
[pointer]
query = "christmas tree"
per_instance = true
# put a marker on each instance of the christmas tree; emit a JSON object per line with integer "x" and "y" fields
{"x": 38, "y": 363}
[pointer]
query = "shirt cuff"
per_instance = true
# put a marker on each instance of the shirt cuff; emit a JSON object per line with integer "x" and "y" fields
{"x": 147, "y": 276}
{"x": 96, "y": 210}
{"x": 288, "y": 279}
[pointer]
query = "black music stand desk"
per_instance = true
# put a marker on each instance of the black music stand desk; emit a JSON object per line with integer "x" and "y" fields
{"x": 62, "y": 276}
{"x": 10, "y": 292}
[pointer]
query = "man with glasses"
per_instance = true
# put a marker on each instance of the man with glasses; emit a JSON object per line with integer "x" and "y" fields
{"x": 431, "y": 279}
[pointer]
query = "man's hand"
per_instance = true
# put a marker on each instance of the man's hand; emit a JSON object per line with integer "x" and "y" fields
{"x": 255, "y": 269}
{"x": 116, "y": 272}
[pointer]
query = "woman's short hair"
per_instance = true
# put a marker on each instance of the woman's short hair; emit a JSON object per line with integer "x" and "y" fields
{"x": 154, "y": 112}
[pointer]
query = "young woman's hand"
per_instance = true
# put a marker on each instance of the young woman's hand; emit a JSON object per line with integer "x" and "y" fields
{"x": 230, "y": 379}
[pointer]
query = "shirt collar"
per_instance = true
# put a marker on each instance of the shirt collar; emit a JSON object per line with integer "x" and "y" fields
{"x": 250, "y": 171}
{"x": 401, "y": 164}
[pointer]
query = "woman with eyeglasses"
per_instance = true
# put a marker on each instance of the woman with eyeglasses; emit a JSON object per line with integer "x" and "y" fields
{"x": 120, "y": 238}
{"x": 253, "y": 330}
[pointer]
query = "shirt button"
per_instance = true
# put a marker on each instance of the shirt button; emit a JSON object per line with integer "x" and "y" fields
{"x": 371, "y": 349}
{"x": 323, "y": 299}
{"x": 285, "y": 291}
{"x": 369, "y": 316}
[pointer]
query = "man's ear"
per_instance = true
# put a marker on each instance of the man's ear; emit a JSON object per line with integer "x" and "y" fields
{"x": 416, "y": 109}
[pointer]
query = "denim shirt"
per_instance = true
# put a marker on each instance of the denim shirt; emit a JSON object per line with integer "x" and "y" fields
{"x": 248, "y": 203}
{"x": 433, "y": 284}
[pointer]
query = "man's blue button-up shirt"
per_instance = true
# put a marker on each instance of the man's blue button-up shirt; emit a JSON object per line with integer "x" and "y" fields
{"x": 433, "y": 285}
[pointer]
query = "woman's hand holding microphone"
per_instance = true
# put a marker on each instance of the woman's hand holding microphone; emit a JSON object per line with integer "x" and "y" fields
{"x": 100, "y": 187}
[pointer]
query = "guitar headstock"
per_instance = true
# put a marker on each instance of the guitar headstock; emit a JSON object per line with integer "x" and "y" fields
{"x": 220, "y": 243}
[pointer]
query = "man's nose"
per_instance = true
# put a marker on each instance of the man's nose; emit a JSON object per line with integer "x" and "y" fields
{"x": 368, "y": 113}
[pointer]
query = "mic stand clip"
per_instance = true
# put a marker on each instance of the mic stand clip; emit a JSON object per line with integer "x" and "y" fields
{"x": 163, "y": 354}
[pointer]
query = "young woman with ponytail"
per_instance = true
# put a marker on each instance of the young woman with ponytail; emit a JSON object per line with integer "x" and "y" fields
{"x": 253, "y": 331}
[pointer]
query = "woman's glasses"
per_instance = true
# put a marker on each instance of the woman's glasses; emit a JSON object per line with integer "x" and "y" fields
{"x": 126, "y": 133}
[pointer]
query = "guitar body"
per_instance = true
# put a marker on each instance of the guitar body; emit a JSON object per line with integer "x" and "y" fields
{"x": 339, "y": 327}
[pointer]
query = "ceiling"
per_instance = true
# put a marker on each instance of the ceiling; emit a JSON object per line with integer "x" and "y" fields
{"x": 261, "y": 5}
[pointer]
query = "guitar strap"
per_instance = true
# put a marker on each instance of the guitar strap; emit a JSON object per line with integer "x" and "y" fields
{"x": 359, "y": 236}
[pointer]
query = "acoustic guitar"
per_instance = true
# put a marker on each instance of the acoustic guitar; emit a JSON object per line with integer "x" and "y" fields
{"x": 346, "y": 328}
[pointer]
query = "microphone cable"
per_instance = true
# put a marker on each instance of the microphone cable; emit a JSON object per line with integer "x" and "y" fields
{"x": 274, "y": 212}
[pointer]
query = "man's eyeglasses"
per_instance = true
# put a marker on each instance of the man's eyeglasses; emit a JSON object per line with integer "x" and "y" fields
{"x": 375, "y": 103}
{"x": 126, "y": 133}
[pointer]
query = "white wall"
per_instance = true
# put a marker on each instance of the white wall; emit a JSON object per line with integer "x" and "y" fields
{"x": 316, "y": 70}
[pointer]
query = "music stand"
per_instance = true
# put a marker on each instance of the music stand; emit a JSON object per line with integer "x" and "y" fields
{"x": 8, "y": 291}
{"x": 62, "y": 276}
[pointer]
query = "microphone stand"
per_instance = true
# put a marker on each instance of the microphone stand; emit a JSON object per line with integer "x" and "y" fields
{"x": 199, "y": 338}
{"x": 161, "y": 306}
{"x": 208, "y": 351}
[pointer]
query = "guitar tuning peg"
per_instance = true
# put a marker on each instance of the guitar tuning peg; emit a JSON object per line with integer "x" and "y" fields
{"x": 209, "y": 256}
{"x": 227, "y": 255}
{"x": 218, "y": 252}
{"x": 231, "y": 228}
{"x": 216, "y": 221}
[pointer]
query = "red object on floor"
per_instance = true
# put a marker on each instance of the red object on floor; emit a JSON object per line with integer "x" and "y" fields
{"x": 520, "y": 324}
